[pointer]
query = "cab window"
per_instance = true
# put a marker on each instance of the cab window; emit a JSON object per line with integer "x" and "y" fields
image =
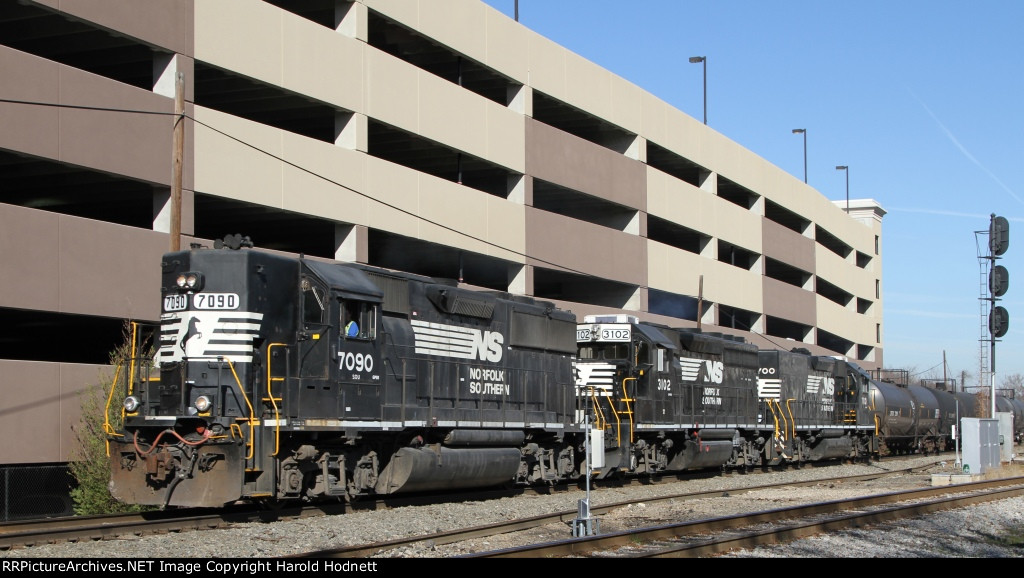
{"x": 313, "y": 305}
{"x": 358, "y": 320}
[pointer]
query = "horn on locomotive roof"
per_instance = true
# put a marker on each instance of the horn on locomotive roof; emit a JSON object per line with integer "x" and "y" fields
{"x": 235, "y": 242}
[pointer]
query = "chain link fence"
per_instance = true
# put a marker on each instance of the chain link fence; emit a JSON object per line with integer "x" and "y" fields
{"x": 35, "y": 491}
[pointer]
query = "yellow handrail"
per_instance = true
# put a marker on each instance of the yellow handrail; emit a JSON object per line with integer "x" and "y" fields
{"x": 107, "y": 428}
{"x": 775, "y": 418}
{"x": 131, "y": 353}
{"x": 792, "y": 420}
{"x": 629, "y": 411}
{"x": 273, "y": 401}
{"x": 252, "y": 414}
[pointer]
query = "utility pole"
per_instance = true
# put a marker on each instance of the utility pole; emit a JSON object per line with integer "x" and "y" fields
{"x": 179, "y": 152}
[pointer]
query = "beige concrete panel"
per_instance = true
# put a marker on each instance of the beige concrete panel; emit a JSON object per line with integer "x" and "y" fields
{"x": 29, "y": 128}
{"x": 164, "y": 23}
{"x": 472, "y": 28}
{"x": 654, "y": 118}
{"x": 453, "y": 116}
{"x": 506, "y": 45}
{"x": 450, "y": 214}
{"x": 395, "y": 190}
{"x": 506, "y": 229}
{"x": 852, "y": 232}
{"x": 626, "y": 104}
{"x": 843, "y": 273}
{"x": 29, "y": 271}
{"x": 459, "y": 24}
{"x": 547, "y": 62}
{"x": 673, "y": 129}
{"x": 678, "y": 271}
{"x": 225, "y": 167}
{"x": 788, "y": 302}
{"x": 581, "y": 165}
{"x": 506, "y": 137}
{"x": 244, "y": 36}
{"x": 851, "y": 325}
{"x": 134, "y": 145}
{"x": 461, "y": 217}
{"x": 678, "y": 201}
{"x": 323, "y": 179}
{"x": 392, "y": 90}
{"x": 831, "y": 266}
{"x": 334, "y": 75}
{"x": 784, "y": 244}
{"x": 674, "y": 270}
{"x": 587, "y": 86}
{"x": 554, "y": 241}
{"x": 104, "y": 255}
{"x": 735, "y": 224}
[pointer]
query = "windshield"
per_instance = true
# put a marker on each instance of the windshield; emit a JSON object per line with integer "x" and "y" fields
{"x": 605, "y": 351}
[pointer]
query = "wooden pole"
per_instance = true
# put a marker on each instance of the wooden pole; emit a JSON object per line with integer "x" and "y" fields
{"x": 700, "y": 301}
{"x": 179, "y": 151}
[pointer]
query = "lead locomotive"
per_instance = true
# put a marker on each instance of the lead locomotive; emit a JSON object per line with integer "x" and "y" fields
{"x": 259, "y": 393}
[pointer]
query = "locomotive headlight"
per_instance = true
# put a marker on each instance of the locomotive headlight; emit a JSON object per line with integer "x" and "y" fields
{"x": 190, "y": 281}
{"x": 203, "y": 403}
{"x": 131, "y": 403}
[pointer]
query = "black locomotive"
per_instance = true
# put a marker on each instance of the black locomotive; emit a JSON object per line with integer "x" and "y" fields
{"x": 260, "y": 392}
{"x": 674, "y": 399}
{"x": 278, "y": 378}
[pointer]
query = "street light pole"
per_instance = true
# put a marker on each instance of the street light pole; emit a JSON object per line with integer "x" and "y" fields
{"x": 803, "y": 131}
{"x": 704, "y": 61}
{"x": 847, "y": 169}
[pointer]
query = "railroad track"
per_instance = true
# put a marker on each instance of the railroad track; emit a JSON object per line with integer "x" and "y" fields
{"x": 20, "y": 534}
{"x": 708, "y": 537}
{"x": 566, "y": 517}
{"x": 95, "y": 528}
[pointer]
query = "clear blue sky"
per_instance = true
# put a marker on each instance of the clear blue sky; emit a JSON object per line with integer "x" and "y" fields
{"x": 921, "y": 99}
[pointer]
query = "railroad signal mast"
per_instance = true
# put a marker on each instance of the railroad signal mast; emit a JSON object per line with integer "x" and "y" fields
{"x": 998, "y": 283}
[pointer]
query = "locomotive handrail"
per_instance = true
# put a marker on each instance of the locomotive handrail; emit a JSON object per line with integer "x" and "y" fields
{"x": 629, "y": 411}
{"x": 785, "y": 425}
{"x": 107, "y": 428}
{"x": 131, "y": 366}
{"x": 618, "y": 420}
{"x": 273, "y": 400}
{"x": 252, "y": 413}
{"x": 792, "y": 420}
{"x": 600, "y": 420}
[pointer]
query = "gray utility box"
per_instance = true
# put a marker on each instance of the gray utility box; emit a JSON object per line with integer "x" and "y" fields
{"x": 980, "y": 444}
{"x": 1005, "y": 436}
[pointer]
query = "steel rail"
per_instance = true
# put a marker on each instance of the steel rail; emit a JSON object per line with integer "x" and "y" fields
{"x": 950, "y": 497}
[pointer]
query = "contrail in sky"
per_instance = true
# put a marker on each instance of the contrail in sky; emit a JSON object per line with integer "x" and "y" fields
{"x": 924, "y": 211}
{"x": 966, "y": 152}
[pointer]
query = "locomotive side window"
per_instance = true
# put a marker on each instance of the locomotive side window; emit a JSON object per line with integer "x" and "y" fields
{"x": 358, "y": 320}
{"x": 312, "y": 302}
{"x": 643, "y": 353}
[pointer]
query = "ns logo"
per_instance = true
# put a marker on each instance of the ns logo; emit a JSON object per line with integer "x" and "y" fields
{"x": 487, "y": 345}
{"x": 715, "y": 370}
